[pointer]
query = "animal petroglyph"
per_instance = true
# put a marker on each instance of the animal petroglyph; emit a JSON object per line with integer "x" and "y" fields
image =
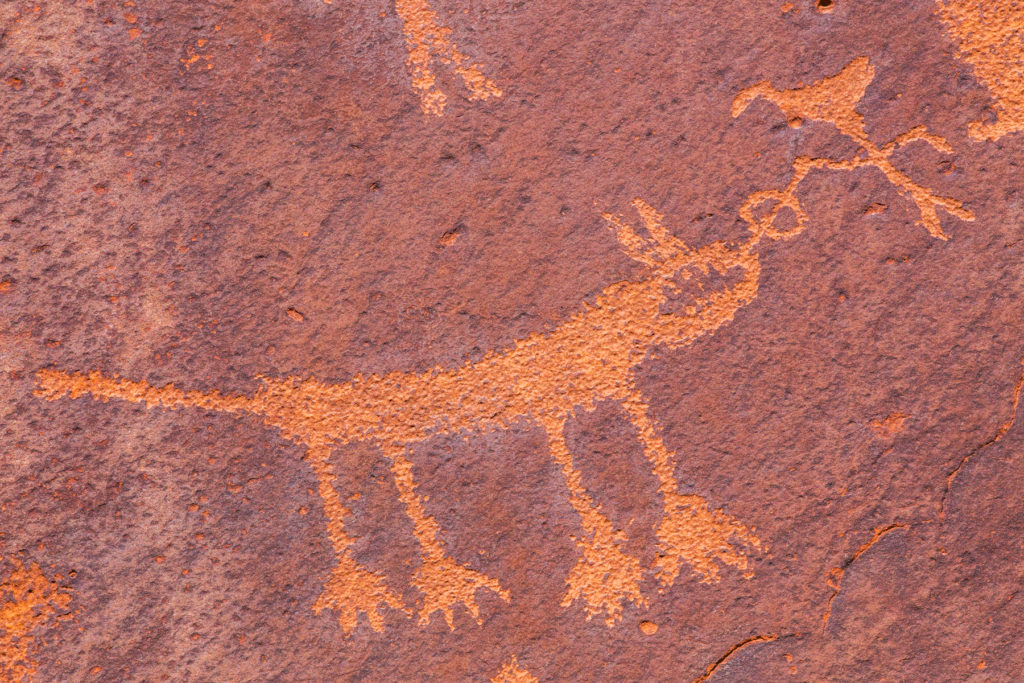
{"x": 990, "y": 36}
{"x": 546, "y": 378}
{"x": 833, "y": 100}
{"x": 427, "y": 41}
{"x": 28, "y": 601}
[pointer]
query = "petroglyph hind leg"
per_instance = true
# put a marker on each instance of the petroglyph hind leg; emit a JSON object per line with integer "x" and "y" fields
{"x": 443, "y": 582}
{"x": 352, "y": 587}
{"x": 689, "y": 530}
{"x": 605, "y": 577}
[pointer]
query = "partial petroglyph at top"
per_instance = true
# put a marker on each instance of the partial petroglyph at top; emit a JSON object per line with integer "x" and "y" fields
{"x": 429, "y": 42}
{"x": 834, "y": 100}
{"x": 28, "y": 602}
{"x": 989, "y": 34}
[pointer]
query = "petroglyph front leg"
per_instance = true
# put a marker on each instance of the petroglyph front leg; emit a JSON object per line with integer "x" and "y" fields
{"x": 689, "y": 530}
{"x": 605, "y": 577}
{"x": 352, "y": 587}
{"x": 443, "y": 582}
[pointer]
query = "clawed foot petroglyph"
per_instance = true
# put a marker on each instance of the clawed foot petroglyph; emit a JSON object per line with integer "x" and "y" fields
{"x": 605, "y": 577}
{"x": 445, "y": 584}
{"x": 545, "y": 377}
{"x": 694, "y": 533}
{"x": 352, "y": 589}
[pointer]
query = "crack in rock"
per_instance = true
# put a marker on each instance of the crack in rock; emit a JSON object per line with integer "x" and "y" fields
{"x": 835, "y": 576}
{"x": 1000, "y": 433}
{"x": 759, "y": 638}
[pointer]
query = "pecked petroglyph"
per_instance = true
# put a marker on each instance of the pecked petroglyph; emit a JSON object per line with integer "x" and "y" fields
{"x": 28, "y": 602}
{"x": 990, "y": 36}
{"x": 428, "y": 41}
{"x": 546, "y": 378}
{"x": 511, "y": 672}
{"x": 833, "y": 100}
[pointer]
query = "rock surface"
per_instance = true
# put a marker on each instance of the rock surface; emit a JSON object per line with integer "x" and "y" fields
{"x": 444, "y": 340}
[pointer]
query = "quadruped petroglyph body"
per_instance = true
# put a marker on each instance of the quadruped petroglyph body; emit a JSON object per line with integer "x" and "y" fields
{"x": 545, "y": 378}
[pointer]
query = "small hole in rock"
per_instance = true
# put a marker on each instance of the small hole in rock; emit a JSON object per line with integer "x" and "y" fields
{"x": 824, "y": 5}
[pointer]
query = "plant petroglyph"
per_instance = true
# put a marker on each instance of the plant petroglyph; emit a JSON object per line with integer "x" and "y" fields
{"x": 546, "y": 378}
{"x": 989, "y": 35}
{"x": 427, "y": 41}
{"x": 833, "y": 100}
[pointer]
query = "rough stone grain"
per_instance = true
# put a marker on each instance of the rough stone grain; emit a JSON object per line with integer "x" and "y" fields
{"x": 423, "y": 336}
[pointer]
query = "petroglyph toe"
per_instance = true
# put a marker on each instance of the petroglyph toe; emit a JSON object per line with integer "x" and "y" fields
{"x": 605, "y": 577}
{"x": 352, "y": 589}
{"x": 445, "y": 584}
{"x": 693, "y": 533}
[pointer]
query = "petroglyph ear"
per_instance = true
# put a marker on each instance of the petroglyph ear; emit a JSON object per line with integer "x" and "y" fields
{"x": 655, "y": 252}
{"x": 633, "y": 244}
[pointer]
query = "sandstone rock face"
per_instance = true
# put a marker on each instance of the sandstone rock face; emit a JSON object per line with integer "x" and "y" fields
{"x": 511, "y": 341}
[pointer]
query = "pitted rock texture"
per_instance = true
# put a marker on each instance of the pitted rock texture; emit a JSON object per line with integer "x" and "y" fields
{"x": 510, "y": 341}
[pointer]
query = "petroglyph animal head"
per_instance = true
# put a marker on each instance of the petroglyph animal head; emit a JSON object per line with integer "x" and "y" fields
{"x": 669, "y": 257}
{"x": 831, "y": 99}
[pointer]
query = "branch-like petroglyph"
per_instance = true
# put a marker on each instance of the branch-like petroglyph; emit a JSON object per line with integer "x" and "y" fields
{"x": 833, "y": 100}
{"x": 835, "y": 576}
{"x": 546, "y": 378}
{"x": 428, "y": 41}
{"x": 715, "y": 665}
{"x": 990, "y": 36}
{"x": 1000, "y": 433}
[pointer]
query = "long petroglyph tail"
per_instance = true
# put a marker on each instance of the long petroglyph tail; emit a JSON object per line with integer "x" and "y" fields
{"x": 53, "y": 384}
